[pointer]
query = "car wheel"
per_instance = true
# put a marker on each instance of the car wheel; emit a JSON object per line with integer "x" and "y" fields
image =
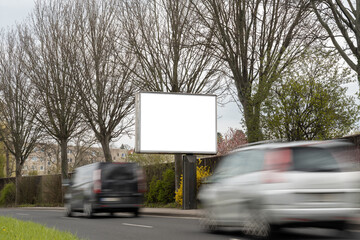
{"x": 136, "y": 212}
{"x": 256, "y": 225}
{"x": 68, "y": 210}
{"x": 88, "y": 210}
{"x": 207, "y": 221}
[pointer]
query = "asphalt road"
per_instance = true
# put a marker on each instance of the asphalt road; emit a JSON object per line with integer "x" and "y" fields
{"x": 125, "y": 226}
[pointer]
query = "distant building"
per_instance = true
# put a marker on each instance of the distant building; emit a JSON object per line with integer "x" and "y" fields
{"x": 45, "y": 158}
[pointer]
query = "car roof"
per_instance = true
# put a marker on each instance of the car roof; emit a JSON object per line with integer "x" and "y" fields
{"x": 281, "y": 144}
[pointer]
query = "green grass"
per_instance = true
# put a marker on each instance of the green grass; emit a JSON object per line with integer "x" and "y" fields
{"x": 13, "y": 229}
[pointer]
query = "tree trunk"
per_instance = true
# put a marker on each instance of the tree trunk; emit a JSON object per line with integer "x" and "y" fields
{"x": 17, "y": 181}
{"x": 252, "y": 122}
{"x": 64, "y": 160}
{"x": 105, "y": 144}
{"x": 8, "y": 170}
{"x": 178, "y": 169}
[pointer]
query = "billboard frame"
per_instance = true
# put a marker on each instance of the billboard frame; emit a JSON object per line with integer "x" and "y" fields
{"x": 138, "y": 125}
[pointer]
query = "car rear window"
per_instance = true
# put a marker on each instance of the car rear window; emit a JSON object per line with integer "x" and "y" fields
{"x": 313, "y": 159}
{"x": 115, "y": 171}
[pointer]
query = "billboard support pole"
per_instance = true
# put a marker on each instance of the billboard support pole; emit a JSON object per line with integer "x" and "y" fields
{"x": 189, "y": 182}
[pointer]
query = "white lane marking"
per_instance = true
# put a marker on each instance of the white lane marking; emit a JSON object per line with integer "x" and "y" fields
{"x": 22, "y": 214}
{"x": 135, "y": 225}
{"x": 163, "y": 216}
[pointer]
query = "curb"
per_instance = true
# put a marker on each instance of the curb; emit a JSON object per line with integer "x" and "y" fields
{"x": 192, "y": 213}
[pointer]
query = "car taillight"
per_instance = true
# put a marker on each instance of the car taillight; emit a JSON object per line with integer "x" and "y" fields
{"x": 97, "y": 181}
{"x": 277, "y": 162}
{"x": 141, "y": 181}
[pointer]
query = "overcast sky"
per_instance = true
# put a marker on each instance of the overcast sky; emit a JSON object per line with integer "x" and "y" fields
{"x": 16, "y": 11}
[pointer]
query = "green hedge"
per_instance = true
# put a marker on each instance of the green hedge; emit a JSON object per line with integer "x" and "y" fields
{"x": 7, "y": 195}
{"x": 162, "y": 190}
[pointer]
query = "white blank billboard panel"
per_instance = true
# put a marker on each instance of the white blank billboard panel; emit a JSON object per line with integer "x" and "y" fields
{"x": 175, "y": 123}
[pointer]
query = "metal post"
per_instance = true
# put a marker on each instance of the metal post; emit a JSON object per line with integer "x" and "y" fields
{"x": 189, "y": 182}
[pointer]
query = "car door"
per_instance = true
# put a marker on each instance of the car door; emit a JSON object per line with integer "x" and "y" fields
{"x": 80, "y": 186}
{"x": 232, "y": 191}
{"x": 240, "y": 185}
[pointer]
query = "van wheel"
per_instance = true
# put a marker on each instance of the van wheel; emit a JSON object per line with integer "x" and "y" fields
{"x": 136, "y": 212}
{"x": 256, "y": 225}
{"x": 88, "y": 210}
{"x": 68, "y": 210}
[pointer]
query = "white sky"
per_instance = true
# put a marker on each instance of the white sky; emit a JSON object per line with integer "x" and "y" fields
{"x": 16, "y": 11}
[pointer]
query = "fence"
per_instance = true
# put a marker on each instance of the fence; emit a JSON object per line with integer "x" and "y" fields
{"x": 47, "y": 189}
{"x": 38, "y": 190}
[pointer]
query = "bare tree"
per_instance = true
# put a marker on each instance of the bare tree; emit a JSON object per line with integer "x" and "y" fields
{"x": 257, "y": 39}
{"x": 51, "y": 67}
{"x": 341, "y": 20}
{"x": 172, "y": 50}
{"x": 19, "y": 129}
{"x": 105, "y": 72}
{"x": 82, "y": 149}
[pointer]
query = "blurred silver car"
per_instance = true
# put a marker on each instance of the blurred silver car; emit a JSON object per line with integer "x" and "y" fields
{"x": 264, "y": 187}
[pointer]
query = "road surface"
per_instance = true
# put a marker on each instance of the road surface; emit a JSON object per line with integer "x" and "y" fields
{"x": 125, "y": 226}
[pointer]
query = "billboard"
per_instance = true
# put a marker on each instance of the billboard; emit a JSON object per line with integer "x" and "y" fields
{"x": 175, "y": 123}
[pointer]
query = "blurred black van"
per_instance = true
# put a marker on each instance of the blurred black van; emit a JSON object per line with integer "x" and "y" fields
{"x": 105, "y": 187}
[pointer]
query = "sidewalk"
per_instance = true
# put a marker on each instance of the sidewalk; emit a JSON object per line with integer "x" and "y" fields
{"x": 194, "y": 213}
{"x": 175, "y": 212}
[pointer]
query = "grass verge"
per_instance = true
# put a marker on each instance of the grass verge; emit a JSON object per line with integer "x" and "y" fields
{"x": 13, "y": 229}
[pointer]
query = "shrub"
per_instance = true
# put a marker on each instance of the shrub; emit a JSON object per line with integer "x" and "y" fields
{"x": 151, "y": 195}
{"x": 33, "y": 173}
{"x": 7, "y": 195}
{"x": 162, "y": 191}
{"x": 167, "y": 186}
{"x": 179, "y": 192}
{"x": 202, "y": 172}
